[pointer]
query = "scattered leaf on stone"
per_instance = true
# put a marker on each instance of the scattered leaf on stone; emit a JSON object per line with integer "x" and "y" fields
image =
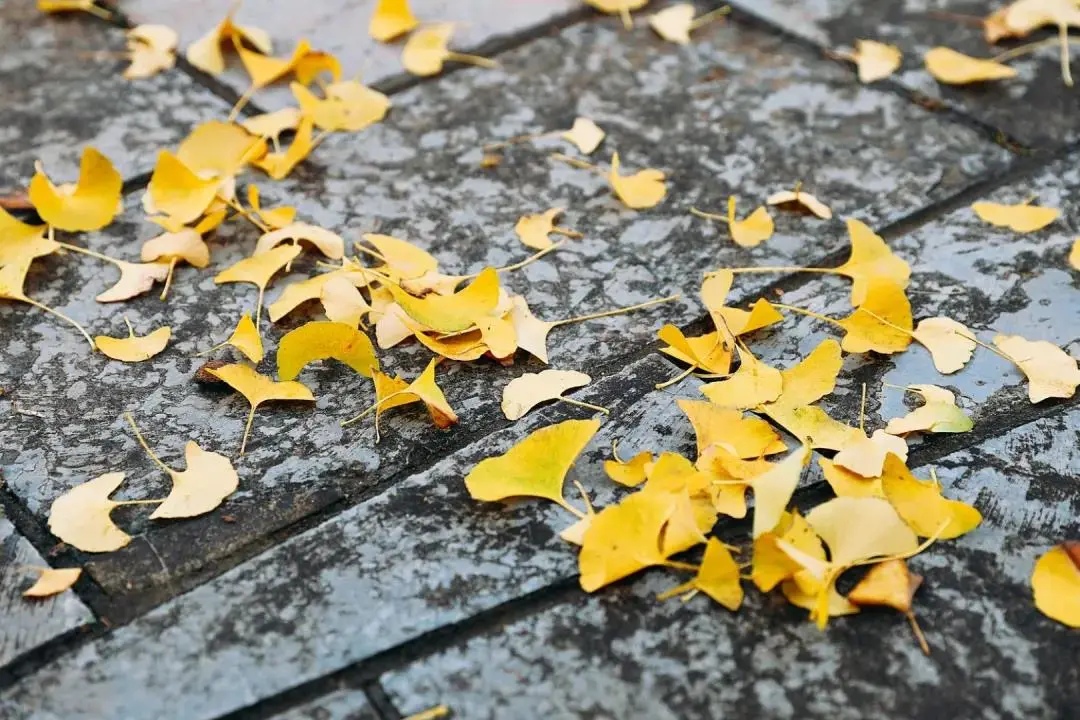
{"x": 535, "y": 467}
{"x": 186, "y": 245}
{"x": 1051, "y": 372}
{"x": 217, "y": 149}
{"x": 939, "y": 414}
{"x": 533, "y": 230}
{"x": 270, "y": 125}
{"x": 718, "y": 577}
{"x": 798, "y": 198}
{"x": 426, "y": 51}
{"x": 391, "y": 19}
{"x": 1022, "y": 218}
{"x": 524, "y": 393}
{"x": 874, "y": 60}
{"x": 752, "y": 231}
{"x": 206, "y": 54}
{"x": 52, "y": 581}
{"x": 881, "y": 323}
{"x": 259, "y": 270}
{"x": 922, "y": 506}
{"x": 675, "y": 23}
{"x": 950, "y": 343}
{"x": 80, "y": 517}
{"x": 21, "y": 241}
{"x": 585, "y": 135}
{"x": 423, "y": 388}
{"x": 644, "y": 189}
{"x": 327, "y": 242}
{"x": 753, "y": 384}
{"x": 955, "y": 68}
{"x": 707, "y": 352}
{"x": 744, "y": 437}
{"x": 321, "y": 341}
{"x": 630, "y": 473}
{"x": 1056, "y": 583}
{"x": 305, "y": 63}
{"x": 888, "y": 584}
{"x": 866, "y": 456}
{"x": 618, "y": 7}
{"x": 135, "y": 279}
{"x": 134, "y": 348}
{"x": 773, "y": 490}
{"x": 258, "y": 389}
{"x": 244, "y": 338}
{"x": 178, "y": 192}
{"x": 89, "y": 204}
{"x": 153, "y": 50}
{"x": 348, "y": 106}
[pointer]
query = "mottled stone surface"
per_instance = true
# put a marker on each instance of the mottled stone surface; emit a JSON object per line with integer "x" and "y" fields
{"x": 621, "y": 653}
{"x": 28, "y": 623}
{"x": 59, "y": 98}
{"x": 411, "y": 560}
{"x": 698, "y": 113}
{"x": 340, "y": 705}
{"x": 340, "y": 27}
{"x": 1035, "y": 108}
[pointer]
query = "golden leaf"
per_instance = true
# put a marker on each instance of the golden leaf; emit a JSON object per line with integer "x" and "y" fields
{"x": 754, "y": 230}
{"x": 270, "y": 125}
{"x": 866, "y": 456}
{"x": 208, "y": 480}
{"x": 52, "y": 581}
{"x": 882, "y": 323}
{"x": 773, "y": 490}
{"x": 644, "y": 189}
{"x": 405, "y": 260}
{"x": 1074, "y": 255}
{"x": 875, "y": 60}
{"x": 322, "y": 340}
{"x": 299, "y": 292}
{"x": 328, "y": 243}
{"x": 279, "y": 164}
{"x": 716, "y": 426}
{"x": 860, "y": 529}
{"x": 753, "y": 384}
{"x": 630, "y": 473}
{"x": 1051, "y": 372}
{"x": 178, "y": 191}
{"x": 802, "y": 199}
{"x": 950, "y": 343}
{"x": 391, "y": 20}
{"x": 453, "y": 313}
{"x": 258, "y": 389}
{"x": 939, "y": 414}
{"x": 813, "y": 378}
{"x": 524, "y": 393}
{"x": 152, "y": 48}
{"x": 1056, "y": 583}
{"x": 871, "y": 262}
{"x": 533, "y": 230}
{"x": 186, "y": 245}
{"x": 342, "y": 302}
{"x": 922, "y": 506}
{"x": 80, "y": 517}
{"x": 244, "y": 338}
{"x": 845, "y": 483}
{"x": 674, "y": 23}
{"x": 205, "y": 53}
{"x": 348, "y": 106}
{"x": 219, "y": 149}
{"x": 90, "y": 204}
{"x": 707, "y": 352}
{"x": 1022, "y": 218}
{"x": 718, "y": 577}
{"x": 426, "y": 51}
{"x": 304, "y": 62}
{"x": 259, "y": 270}
{"x": 770, "y": 565}
{"x": 888, "y": 584}
{"x": 955, "y": 68}
{"x": 811, "y": 425}
{"x": 135, "y": 279}
{"x": 134, "y": 348}
{"x": 585, "y": 135}
{"x": 422, "y": 388}
{"x": 20, "y": 241}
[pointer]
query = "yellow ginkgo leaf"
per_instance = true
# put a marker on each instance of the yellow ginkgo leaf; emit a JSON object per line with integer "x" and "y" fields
{"x": 64, "y": 6}
{"x": 716, "y": 426}
{"x": 259, "y": 270}
{"x": 391, "y": 20}
{"x": 186, "y": 245}
{"x": 279, "y": 164}
{"x": 348, "y": 106}
{"x": 205, "y": 53}
{"x": 270, "y": 125}
{"x": 812, "y": 425}
{"x": 773, "y": 490}
{"x": 1056, "y": 583}
{"x": 423, "y": 388}
{"x": 1074, "y": 255}
{"x": 389, "y": 393}
{"x": 753, "y": 384}
{"x": 939, "y": 414}
{"x": 177, "y": 191}
{"x": 404, "y": 259}
{"x": 52, "y": 581}
{"x": 845, "y": 483}
{"x": 950, "y": 343}
{"x": 618, "y": 7}
{"x": 770, "y": 565}
{"x": 219, "y": 149}
{"x": 134, "y": 348}
{"x": 244, "y": 338}
{"x": 585, "y": 135}
{"x": 533, "y": 230}
{"x": 21, "y": 241}
{"x": 135, "y": 279}
{"x": 90, "y": 204}
{"x": 871, "y": 261}
{"x": 866, "y": 456}
{"x": 463, "y": 347}
{"x": 813, "y": 378}
{"x": 888, "y": 584}
{"x": 630, "y": 473}
{"x": 342, "y": 302}
{"x": 718, "y": 577}
{"x": 258, "y": 389}
{"x": 875, "y": 60}
{"x": 1022, "y": 218}
{"x": 674, "y": 23}
{"x": 299, "y": 292}
{"x": 274, "y": 218}
{"x": 1051, "y": 372}
{"x": 955, "y": 68}
{"x": 882, "y": 323}
{"x": 754, "y": 230}
{"x": 323, "y": 340}
{"x": 328, "y": 243}
{"x": 153, "y": 50}
{"x": 453, "y": 313}
{"x": 644, "y": 189}
{"x": 800, "y": 199}
{"x": 860, "y": 529}
{"x": 426, "y": 51}
{"x": 80, "y": 517}
{"x": 304, "y": 62}
{"x": 922, "y": 506}
{"x": 707, "y": 352}
{"x": 535, "y": 467}
{"x": 762, "y": 314}
{"x": 524, "y": 393}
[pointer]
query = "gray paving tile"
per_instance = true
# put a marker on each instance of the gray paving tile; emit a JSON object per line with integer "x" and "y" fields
{"x": 57, "y": 100}
{"x": 417, "y": 176}
{"x": 339, "y": 705}
{"x": 408, "y": 561}
{"x": 340, "y": 27}
{"x": 1035, "y": 108}
{"x": 30, "y": 623}
{"x": 622, "y": 653}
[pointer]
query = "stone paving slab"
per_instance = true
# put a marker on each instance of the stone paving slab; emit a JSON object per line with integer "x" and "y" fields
{"x": 340, "y": 705}
{"x": 28, "y": 624}
{"x": 622, "y": 653}
{"x": 58, "y": 100}
{"x": 413, "y": 559}
{"x": 1035, "y": 108}
{"x": 340, "y": 27}
{"x": 417, "y": 176}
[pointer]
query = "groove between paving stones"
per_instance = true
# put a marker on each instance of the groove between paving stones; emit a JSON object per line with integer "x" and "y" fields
{"x": 366, "y": 672}
{"x": 128, "y": 608}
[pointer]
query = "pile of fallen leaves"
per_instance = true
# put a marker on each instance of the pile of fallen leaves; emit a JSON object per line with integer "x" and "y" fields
{"x": 757, "y": 428}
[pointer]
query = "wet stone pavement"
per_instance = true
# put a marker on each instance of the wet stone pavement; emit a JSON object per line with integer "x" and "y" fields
{"x": 347, "y": 579}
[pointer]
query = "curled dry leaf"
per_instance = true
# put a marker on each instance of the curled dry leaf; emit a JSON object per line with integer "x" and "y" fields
{"x": 708, "y": 352}
{"x": 391, "y": 19}
{"x": 21, "y": 241}
{"x": 585, "y": 135}
{"x": 90, "y": 204}
{"x": 423, "y": 388}
{"x": 205, "y": 53}
{"x": 258, "y": 389}
{"x": 888, "y": 584}
{"x": 321, "y": 341}
{"x": 939, "y": 415}
{"x": 798, "y": 198}
{"x": 752, "y": 231}
{"x": 955, "y": 68}
{"x": 259, "y": 270}
{"x": 328, "y": 243}
{"x": 135, "y": 279}
{"x": 950, "y": 343}
{"x": 875, "y": 60}
{"x": 52, "y": 581}
{"x": 718, "y": 577}
{"x": 305, "y": 63}
{"x": 922, "y": 506}
{"x": 153, "y": 50}
{"x": 1056, "y": 583}
{"x": 524, "y": 393}
{"x": 426, "y": 51}
{"x": 80, "y": 517}
{"x": 1051, "y": 372}
{"x": 1022, "y": 218}
{"x": 644, "y": 189}
{"x": 186, "y": 245}
{"x": 134, "y": 348}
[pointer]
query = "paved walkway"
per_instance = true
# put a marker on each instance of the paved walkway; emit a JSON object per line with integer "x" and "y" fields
{"x": 349, "y": 580}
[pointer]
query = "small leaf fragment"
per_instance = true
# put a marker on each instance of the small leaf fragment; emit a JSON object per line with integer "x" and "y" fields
{"x": 644, "y": 189}
{"x": 585, "y": 135}
{"x": 80, "y": 517}
{"x": 1022, "y": 218}
{"x": 1051, "y": 372}
{"x": 53, "y": 581}
{"x": 134, "y": 348}
{"x": 1056, "y": 583}
{"x": 955, "y": 68}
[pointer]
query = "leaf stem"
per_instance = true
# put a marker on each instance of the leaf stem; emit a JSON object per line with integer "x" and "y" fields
{"x": 247, "y": 429}
{"x": 708, "y": 215}
{"x": 168, "y": 278}
{"x": 588, "y": 406}
{"x": 142, "y": 441}
{"x": 62, "y": 316}
{"x": 619, "y": 311}
{"x": 87, "y": 251}
{"x": 472, "y": 60}
{"x": 918, "y": 633}
{"x": 708, "y": 17}
{"x": 678, "y": 378}
{"x": 574, "y": 162}
{"x": 627, "y": 20}
{"x": 808, "y": 313}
